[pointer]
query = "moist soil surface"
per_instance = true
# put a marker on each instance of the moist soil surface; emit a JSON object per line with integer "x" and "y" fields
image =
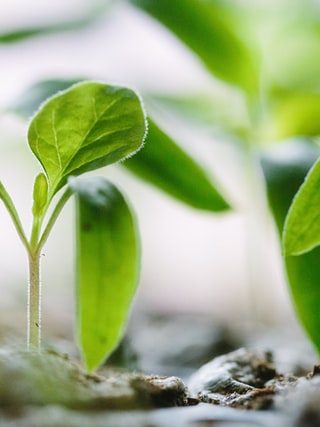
{"x": 239, "y": 388}
{"x": 215, "y": 384}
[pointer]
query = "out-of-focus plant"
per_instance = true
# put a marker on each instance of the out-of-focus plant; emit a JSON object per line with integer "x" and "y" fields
{"x": 262, "y": 57}
{"x": 301, "y": 239}
{"x": 81, "y": 128}
{"x": 88, "y": 126}
{"x": 94, "y": 12}
{"x": 285, "y": 168}
{"x": 250, "y": 49}
{"x": 156, "y": 163}
{"x": 264, "y": 54}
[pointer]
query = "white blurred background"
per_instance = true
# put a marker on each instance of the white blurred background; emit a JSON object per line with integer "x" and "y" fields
{"x": 226, "y": 265}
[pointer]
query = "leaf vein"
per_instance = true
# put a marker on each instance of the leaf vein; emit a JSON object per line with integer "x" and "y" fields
{"x": 55, "y": 137}
{"x": 108, "y": 107}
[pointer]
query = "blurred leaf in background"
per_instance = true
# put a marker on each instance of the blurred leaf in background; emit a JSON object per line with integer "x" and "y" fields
{"x": 164, "y": 164}
{"x": 269, "y": 51}
{"x": 290, "y": 56}
{"x": 260, "y": 43}
{"x": 281, "y": 60}
{"x": 302, "y": 226}
{"x": 29, "y": 101}
{"x": 285, "y": 168}
{"x": 293, "y": 114}
{"x": 96, "y": 10}
{"x": 211, "y": 30}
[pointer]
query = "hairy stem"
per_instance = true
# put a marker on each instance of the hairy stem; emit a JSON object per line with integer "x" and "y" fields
{"x": 8, "y": 203}
{"x": 34, "y": 291}
{"x": 34, "y": 303}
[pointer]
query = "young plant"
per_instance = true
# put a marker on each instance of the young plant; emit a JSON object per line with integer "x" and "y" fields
{"x": 155, "y": 164}
{"x": 275, "y": 99}
{"x": 81, "y": 129}
{"x": 301, "y": 240}
{"x": 260, "y": 96}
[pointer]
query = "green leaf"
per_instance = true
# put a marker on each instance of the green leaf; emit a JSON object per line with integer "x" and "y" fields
{"x": 285, "y": 170}
{"x": 188, "y": 183}
{"x": 88, "y": 126}
{"x": 40, "y": 194}
{"x": 285, "y": 166}
{"x": 299, "y": 32}
{"x": 303, "y": 274}
{"x": 211, "y": 31}
{"x": 294, "y": 114}
{"x": 302, "y": 226}
{"x": 165, "y": 165}
{"x": 108, "y": 259}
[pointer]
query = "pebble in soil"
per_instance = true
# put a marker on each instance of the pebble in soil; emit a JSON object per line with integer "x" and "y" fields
{"x": 238, "y": 379}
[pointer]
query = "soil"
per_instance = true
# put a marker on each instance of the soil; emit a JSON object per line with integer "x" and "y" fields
{"x": 48, "y": 378}
{"x": 240, "y": 388}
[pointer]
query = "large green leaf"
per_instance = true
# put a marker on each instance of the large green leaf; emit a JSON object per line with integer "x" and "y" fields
{"x": 285, "y": 166}
{"x": 211, "y": 31}
{"x": 302, "y": 226}
{"x": 166, "y": 165}
{"x": 86, "y": 127}
{"x": 303, "y": 273}
{"x": 294, "y": 113}
{"x": 108, "y": 265}
{"x": 188, "y": 182}
{"x": 298, "y": 32}
{"x": 285, "y": 170}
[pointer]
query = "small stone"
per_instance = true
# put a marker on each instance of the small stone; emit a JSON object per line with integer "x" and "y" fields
{"x": 237, "y": 379}
{"x": 162, "y": 391}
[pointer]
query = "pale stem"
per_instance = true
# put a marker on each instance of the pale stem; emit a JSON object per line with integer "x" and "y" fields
{"x": 34, "y": 291}
{"x": 34, "y": 303}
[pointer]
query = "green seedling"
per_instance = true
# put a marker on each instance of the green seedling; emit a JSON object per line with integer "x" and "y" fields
{"x": 260, "y": 98}
{"x": 301, "y": 240}
{"x": 156, "y": 164}
{"x": 81, "y": 129}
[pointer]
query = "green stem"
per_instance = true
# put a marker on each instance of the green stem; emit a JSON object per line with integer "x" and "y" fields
{"x": 34, "y": 302}
{"x": 34, "y": 291}
{"x": 34, "y": 252}
{"x": 8, "y": 203}
{"x": 54, "y": 216}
